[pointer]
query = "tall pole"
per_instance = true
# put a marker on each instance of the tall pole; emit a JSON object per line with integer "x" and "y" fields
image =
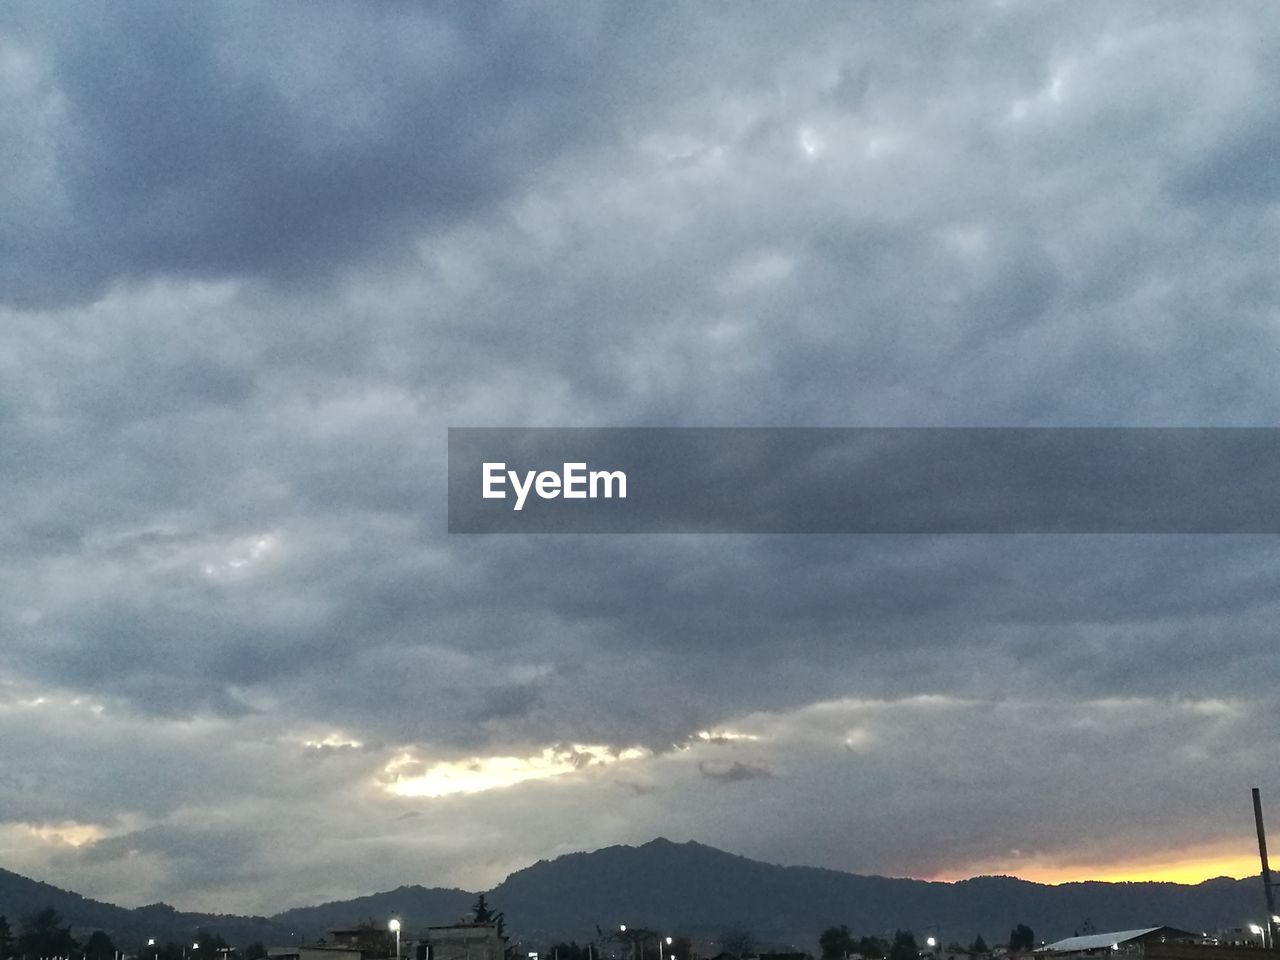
{"x": 1266, "y": 867}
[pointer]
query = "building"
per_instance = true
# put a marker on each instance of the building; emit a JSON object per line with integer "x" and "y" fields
{"x": 357, "y": 943}
{"x": 314, "y": 952}
{"x": 370, "y": 939}
{"x": 462, "y": 941}
{"x": 1140, "y": 942}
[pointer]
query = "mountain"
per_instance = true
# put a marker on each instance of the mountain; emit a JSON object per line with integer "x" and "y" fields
{"x": 693, "y": 889}
{"x": 129, "y": 928}
{"x": 19, "y": 896}
{"x": 422, "y": 904}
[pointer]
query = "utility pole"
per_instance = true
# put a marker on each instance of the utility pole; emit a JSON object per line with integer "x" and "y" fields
{"x": 1267, "y": 886}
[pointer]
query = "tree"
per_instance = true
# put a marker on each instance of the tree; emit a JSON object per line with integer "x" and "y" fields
{"x": 254, "y": 951}
{"x": 979, "y": 945}
{"x": 43, "y": 935}
{"x": 482, "y": 913}
{"x": 1021, "y": 938}
{"x": 872, "y": 947}
{"x": 99, "y": 947}
{"x": 567, "y": 951}
{"x": 740, "y": 943}
{"x": 836, "y": 942}
{"x": 904, "y": 946}
{"x": 681, "y": 948}
{"x": 6, "y": 939}
{"x": 211, "y": 945}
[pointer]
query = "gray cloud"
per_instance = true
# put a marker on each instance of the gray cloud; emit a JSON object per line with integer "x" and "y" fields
{"x": 257, "y": 260}
{"x": 250, "y": 142}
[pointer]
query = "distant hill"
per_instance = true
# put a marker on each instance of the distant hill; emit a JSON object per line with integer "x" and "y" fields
{"x": 129, "y": 928}
{"x": 19, "y": 896}
{"x": 690, "y": 888}
{"x": 693, "y": 888}
{"x": 417, "y": 905}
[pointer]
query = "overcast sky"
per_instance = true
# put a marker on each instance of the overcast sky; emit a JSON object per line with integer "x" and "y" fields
{"x": 255, "y": 259}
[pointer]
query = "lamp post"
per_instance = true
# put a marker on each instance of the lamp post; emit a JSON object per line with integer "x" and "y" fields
{"x": 394, "y": 926}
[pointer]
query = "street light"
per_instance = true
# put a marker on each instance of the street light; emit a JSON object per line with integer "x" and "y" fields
{"x": 394, "y": 926}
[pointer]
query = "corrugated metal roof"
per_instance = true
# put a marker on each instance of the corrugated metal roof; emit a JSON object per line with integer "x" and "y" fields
{"x": 1096, "y": 941}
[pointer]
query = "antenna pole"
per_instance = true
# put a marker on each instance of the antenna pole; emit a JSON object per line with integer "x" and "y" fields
{"x": 1267, "y": 886}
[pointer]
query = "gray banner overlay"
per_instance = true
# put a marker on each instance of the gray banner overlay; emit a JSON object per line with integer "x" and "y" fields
{"x": 865, "y": 480}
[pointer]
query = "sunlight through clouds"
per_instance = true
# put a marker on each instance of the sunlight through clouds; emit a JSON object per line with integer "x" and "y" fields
{"x": 479, "y": 774}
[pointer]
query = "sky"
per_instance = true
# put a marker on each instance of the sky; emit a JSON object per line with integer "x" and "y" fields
{"x": 256, "y": 259}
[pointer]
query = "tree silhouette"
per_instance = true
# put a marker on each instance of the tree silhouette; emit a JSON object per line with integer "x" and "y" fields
{"x": 481, "y": 910}
{"x": 979, "y": 946}
{"x": 211, "y": 945}
{"x": 1021, "y": 937}
{"x": 42, "y": 935}
{"x": 6, "y": 939}
{"x": 567, "y": 951}
{"x": 836, "y": 942}
{"x": 99, "y": 947}
{"x": 904, "y": 946}
{"x": 740, "y": 943}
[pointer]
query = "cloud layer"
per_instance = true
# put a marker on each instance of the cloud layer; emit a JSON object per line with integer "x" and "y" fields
{"x": 257, "y": 259}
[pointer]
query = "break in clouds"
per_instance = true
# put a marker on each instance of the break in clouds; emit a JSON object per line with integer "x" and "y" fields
{"x": 256, "y": 260}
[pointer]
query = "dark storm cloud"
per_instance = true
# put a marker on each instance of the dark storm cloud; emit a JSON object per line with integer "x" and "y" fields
{"x": 250, "y": 141}
{"x": 216, "y": 851}
{"x": 734, "y": 772}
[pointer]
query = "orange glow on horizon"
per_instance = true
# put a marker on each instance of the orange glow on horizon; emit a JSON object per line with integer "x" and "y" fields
{"x": 1190, "y": 868}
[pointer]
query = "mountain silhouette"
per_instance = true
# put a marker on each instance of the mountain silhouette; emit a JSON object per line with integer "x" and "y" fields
{"x": 695, "y": 890}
